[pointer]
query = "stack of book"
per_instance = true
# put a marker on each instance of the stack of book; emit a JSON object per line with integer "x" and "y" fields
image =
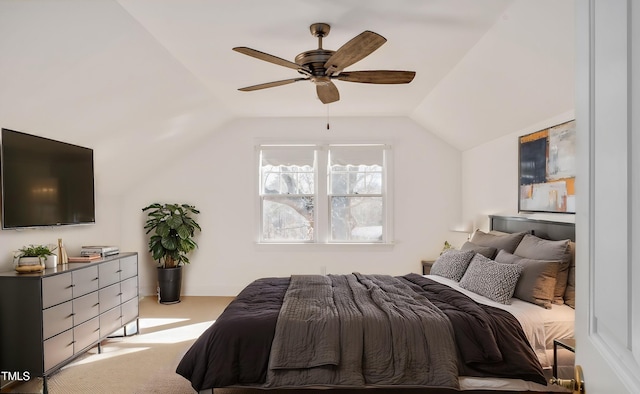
{"x": 102, "y": 251}
{"x": 83, "y": 259}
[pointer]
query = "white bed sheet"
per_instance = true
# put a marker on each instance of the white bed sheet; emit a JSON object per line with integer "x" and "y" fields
{"x": 540, "y": 325}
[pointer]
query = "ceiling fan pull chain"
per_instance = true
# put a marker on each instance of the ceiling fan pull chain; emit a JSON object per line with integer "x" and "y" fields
{"x": 327, "y": 116}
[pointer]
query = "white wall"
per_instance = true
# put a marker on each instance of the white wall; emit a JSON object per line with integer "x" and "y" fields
{"x": 490, "y": 177}
{"x": 219, "y": 178}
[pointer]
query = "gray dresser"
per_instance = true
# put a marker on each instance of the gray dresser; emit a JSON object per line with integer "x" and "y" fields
{"x": 49, "y": 318}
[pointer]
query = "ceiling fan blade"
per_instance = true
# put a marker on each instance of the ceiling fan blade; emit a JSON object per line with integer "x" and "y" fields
{"x": 327, "y": 93}
{"x": 355, "y": 50}
{"x": 272, "y": 84}
{"x": 270, "y": 58}
{"x": 377, "y": 76}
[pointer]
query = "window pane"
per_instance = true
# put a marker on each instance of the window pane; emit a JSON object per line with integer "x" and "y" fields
{"x": 356, "y": 219}
{"x": 287, "y": 218}
{"x": 354, "y": 179}
{"x": 289, "y": 179}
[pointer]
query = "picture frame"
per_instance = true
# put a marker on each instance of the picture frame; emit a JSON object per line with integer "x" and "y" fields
{"x": 547, "y": 170}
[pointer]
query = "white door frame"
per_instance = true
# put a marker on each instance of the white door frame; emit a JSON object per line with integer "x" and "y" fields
{"x": 608, "y": 198}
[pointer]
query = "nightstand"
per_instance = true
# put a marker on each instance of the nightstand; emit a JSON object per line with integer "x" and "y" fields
{"x": 567, "y": 343}
{"x": 426, "y": 266}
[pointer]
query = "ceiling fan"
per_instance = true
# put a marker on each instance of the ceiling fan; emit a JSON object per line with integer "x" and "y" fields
{"x": 321, "y": 66}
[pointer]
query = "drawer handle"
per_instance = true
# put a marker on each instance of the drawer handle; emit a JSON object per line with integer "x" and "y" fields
{"x": 97, "y": 329}
{"x": 96, "y": 278}
{"x": 118, "y": 271}
{"x": 119, "y": 294}
{"x": 72, "y": 342}
{"x": 70, "y": 286}
{"x": 96, "y": 304}
{"x": 71, "y": 315}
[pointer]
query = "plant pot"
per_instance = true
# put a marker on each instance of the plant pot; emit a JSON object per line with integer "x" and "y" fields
{"x": 28, "y": 264}
{"x": 51, "y": 261}
{"x": 169, "y": 285}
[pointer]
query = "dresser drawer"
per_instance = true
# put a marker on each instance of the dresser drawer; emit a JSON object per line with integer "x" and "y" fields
{"x": 109, "y": 297}
{"x": 86, "y": 334}
{"x": 57, "y": 319}
{"x": 128, "y": 267}
{"x": 85, "y": 307}
{"x": 85, "y": 281}
{"x": 110, "y": 321}
{"x": 129, "y": 311}
{"x": 129, "y": 289}
{"x": 56, "y": 289}
{"x": 109, "y": 273}
{"x": 57, "y": 349}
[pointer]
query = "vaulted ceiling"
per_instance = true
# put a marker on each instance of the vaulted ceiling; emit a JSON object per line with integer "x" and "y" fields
{"x": 125, "y": 74}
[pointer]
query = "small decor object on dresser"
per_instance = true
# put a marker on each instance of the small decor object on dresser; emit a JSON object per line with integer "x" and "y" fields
{"x": 32, "y": 258}
{"x": 173, "y": 228}
{"x": 62, "y": 252}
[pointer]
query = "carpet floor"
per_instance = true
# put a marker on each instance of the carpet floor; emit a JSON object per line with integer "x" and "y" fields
{"x": 142, "y": 363}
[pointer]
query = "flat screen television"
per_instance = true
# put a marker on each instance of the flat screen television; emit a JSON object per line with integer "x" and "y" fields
{"x": 45, "y": 182}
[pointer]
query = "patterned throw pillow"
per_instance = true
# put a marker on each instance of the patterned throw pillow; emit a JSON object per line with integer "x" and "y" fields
{"x": 491, "y": 279}
{"x": 452, "y": 264}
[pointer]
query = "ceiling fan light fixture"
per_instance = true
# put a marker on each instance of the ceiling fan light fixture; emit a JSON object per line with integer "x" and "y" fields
{"x": 321, "y": 80}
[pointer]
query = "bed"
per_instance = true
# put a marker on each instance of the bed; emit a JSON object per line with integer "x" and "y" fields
{"x": 484, "y": 319}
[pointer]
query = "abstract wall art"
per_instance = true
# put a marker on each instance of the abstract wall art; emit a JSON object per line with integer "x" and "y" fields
{"x": 547, "y": 170}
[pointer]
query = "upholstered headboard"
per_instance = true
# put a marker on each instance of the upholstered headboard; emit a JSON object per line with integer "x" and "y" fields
{"x": 540, "y": 228}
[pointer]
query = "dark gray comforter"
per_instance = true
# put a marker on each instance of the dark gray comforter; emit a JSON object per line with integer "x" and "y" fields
{"x": 357, "y": 330}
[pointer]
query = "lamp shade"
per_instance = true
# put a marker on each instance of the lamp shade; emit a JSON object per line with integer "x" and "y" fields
{"x": 466, "y": 227}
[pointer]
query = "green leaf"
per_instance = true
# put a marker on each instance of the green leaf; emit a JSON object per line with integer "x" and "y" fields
{"x": 152, "y": 206}
{"x": 184, "y": 231}
{"x": 157, "y": 250}
{"x": 187, "y": 245}
{"x": 174, "y": 221}
{"x": 163, "y": 229}
{"x": 169, "y": 243}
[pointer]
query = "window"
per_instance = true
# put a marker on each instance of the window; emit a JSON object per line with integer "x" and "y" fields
{"x": 324, "y": 194}
{"x": 355, "y": 193}
{"x": 288, "y": 193}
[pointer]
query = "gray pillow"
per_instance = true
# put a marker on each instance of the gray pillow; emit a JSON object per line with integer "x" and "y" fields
{"x": 537, "y": 281}
{"x": 570, "y": 292}
{"x": 452, "y": 264}
{"x": 491, "y": 279}
{"x": 486, "y": 251}
{"x": 507, "y": 242}
{"x": 536, "y": 248}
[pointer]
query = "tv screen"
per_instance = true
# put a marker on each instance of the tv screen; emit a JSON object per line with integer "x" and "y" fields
{"x": 45, "y": 182}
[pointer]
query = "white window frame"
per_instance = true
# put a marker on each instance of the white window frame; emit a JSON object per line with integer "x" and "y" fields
{"x": 322, "y": 197}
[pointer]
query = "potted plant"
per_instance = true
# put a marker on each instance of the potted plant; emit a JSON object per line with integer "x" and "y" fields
{"x": 32, "y": 258}
{"x": 173, "y": 228}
